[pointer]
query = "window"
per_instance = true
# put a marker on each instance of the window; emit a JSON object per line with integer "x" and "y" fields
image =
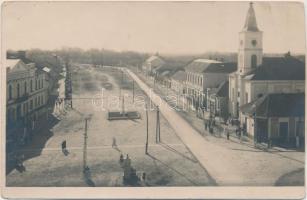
{"x": 24, "y": 108}
{"x": 42, "y": 83}
{"x": 26, "y": 87}
{"x": 18, "y": 90}
{"x": 246, "y": 97}
{"x": 10, "y": 92}
{"x": 39, "y": 84}
{"x": 31, "y": 85}
{"x": 31, "y": 104}
{"x": 238, "y": 94}
{"x": 233, "y": 94}
{"x": 254, "y": 61}
{"x": 35, "y": 84}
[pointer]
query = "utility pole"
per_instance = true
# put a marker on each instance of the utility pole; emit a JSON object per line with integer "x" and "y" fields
{"x": 146, "y": 146}
{"x": 158, "y": 138}
{"x": 133, "y": 91}
{"x": 85, "y": 148}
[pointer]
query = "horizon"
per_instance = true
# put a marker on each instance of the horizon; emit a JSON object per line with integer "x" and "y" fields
{"x": 172, "y": 28}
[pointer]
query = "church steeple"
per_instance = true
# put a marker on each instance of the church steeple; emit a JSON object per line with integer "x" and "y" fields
{"x": 250, "y": 49}
{"x": 250, "y": 22}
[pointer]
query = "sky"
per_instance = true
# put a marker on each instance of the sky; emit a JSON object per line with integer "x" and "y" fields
{"x": 164, "y": 27}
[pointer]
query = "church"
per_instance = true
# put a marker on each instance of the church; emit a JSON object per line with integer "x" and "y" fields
{"x": 258, "y": 76}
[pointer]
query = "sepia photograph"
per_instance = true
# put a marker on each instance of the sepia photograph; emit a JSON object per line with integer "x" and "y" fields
{"x": 153, "y": 95}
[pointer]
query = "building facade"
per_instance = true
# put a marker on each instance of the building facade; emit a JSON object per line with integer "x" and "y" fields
{"x": 178, "y": 81}
{"x": 151, "y": 64}
{"x": 27, "y": 95}
{"x": 203, "y": 74}
{"x": 270, "y": 119}
{"x": 257, "y": 75}
{"x": 260, "y": 78}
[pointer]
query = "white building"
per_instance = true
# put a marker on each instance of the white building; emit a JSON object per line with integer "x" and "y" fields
{"x": 203, "y": 74}
{"x": 257, "y": 76}
{"x": 151, "y": 64}
{"x": 27, "y": 95}
{"x": 178, "y": 81}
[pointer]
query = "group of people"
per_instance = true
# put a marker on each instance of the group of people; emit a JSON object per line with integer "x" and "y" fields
{"x": 210, "y": 123}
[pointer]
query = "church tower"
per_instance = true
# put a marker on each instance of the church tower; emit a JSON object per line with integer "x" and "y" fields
{"x": 250, "y": 44}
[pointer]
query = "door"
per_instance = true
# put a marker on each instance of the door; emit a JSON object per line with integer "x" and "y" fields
{"x": 283, "y": 131}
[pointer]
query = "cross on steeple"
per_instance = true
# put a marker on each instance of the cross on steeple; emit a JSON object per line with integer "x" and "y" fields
{"x": 251, "y": 22}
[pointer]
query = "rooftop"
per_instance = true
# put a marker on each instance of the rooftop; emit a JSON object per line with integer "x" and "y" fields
{"x": 179, "y": 76}
{"x": 10, "y": 63}
{"x": 278, "y": 68}
{"x": 210, "y": 66}
{"x": 277, "y": 105}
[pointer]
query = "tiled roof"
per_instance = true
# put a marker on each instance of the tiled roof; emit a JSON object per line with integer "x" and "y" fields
{"x": 152, "y": 58}
{"x": 179, "y": 76}
{"x": 277, "y": 105}
{"x": 210, "y": 66}
{"x": 278, "y": 68}
{"x": 10, "y": 63}
{"x": 221, "y": 68}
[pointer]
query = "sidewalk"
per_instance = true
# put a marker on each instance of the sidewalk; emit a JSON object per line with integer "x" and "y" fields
{"x": 235, "y": 164}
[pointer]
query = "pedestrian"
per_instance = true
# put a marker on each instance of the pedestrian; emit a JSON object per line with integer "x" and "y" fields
{"x": 121, "y": 158}
{"x": 227, "y": 133}
{"x": 240, "y": 136}
{"x": 144, "y": 176}
{"x": 64, "y": 145}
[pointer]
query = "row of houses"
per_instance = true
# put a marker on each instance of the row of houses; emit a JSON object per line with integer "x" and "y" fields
{"x": 29, "y": 86}
{"x": 264, "y": 94}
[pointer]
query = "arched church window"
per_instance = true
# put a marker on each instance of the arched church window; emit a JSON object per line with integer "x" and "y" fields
{"x": 254, "y": 61}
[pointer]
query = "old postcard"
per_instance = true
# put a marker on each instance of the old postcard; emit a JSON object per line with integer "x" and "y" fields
{"x": 169, "y": 99}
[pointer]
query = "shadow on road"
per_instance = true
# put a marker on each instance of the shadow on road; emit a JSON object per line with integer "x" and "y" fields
{"x": 181, "y": 174}
{"x": 166, "y": 146}
{"x": 35, "y": 147}
{"x": 294, "y": 178}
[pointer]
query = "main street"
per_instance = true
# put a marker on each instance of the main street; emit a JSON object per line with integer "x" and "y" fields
{"x": 169, "y": 163}
{"x": 229, "y": 162}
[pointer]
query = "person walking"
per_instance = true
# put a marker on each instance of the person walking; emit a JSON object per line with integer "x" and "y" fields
{"x": 64, "y": 145}
{"x": 227, "y": 133}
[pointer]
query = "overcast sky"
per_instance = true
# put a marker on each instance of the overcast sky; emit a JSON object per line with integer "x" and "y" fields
{"x": 164, "y": 27}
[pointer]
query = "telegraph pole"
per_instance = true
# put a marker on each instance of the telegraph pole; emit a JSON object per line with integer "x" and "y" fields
{"x": 146, "y": 146}
{"x": 158, "y": 138}
{"x": 133, "y": 91}
{"x": 85, "y": 148}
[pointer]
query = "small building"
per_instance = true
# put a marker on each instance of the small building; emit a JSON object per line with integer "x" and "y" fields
{"x": 151, "y": 64}
{"x": 277, "y": 119}
{"x": 178, "y": 82}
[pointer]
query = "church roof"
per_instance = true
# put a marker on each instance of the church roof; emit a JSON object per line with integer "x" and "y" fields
{"x": 278, "y": 68}
{"x": 251, "y": 22}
